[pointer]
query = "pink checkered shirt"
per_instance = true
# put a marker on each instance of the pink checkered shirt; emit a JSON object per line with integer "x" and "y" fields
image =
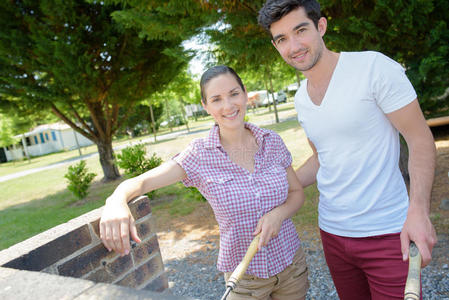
{"x": 240, "y": 198}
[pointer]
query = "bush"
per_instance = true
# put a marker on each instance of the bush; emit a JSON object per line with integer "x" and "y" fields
{"x": 133, "y": 161}
{"x": 79, "y": 179}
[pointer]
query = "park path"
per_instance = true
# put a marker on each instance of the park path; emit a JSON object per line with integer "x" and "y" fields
{"x": 147, "y": 140}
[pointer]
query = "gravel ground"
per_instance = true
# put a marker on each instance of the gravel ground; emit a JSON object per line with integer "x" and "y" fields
{"x": 196, "y": 275}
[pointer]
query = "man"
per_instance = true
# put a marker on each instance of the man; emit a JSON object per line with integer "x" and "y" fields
{"x": 352, "y": 106}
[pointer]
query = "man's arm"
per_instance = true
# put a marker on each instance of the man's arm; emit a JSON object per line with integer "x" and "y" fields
{"x": 307, "y": 172}
{"x": 410, "y": 122}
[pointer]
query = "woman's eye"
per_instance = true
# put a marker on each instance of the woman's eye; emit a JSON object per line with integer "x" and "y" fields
{"x": 234, "y": 94}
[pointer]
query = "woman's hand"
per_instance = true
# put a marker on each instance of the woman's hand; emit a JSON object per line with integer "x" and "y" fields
{"x": 116, "y": 225}
{"x": 268, "y": 227}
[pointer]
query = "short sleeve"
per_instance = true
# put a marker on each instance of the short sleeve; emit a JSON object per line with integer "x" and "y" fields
{"x": 283, "y": 155}
{"x": 189, "y": 161}
{"x": 391, "y": 87}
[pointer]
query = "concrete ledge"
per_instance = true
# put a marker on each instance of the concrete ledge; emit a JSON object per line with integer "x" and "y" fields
{"x": 23, "y": 285}
{"x": 74, "y": 249}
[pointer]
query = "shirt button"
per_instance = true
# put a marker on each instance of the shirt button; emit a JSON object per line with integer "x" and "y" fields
{"x": 257, "y": 194}
{"x": 250, "y": 177}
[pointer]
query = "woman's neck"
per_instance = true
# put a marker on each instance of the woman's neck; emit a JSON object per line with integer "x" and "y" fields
{"x": 235, "y": 138}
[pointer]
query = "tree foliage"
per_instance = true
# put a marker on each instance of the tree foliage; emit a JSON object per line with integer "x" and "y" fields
{"x": 86, "y": 60}
{"x": 414, "y": 33}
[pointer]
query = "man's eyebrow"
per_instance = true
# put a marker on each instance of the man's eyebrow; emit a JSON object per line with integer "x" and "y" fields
{"x": 303, "y": 24}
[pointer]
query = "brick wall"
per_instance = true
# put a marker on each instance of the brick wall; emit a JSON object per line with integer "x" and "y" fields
{"x": 74, "y": 249}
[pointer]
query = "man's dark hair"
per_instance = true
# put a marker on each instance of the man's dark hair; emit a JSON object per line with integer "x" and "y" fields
{"x": 274, "y": 10}
{"x": 215, "y": 72}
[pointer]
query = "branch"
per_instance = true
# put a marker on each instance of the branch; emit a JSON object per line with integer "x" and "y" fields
{"x": 95, "y": 121}
{"x": 78, "y": 117}
{"x": 115, "y": 111}
{"x": 58, "y": 113}
{"x": 119, "y": 123}
{"x": 108, "y": 118}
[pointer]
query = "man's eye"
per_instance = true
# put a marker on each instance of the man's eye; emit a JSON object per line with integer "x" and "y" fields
{"x": 279, "y": 41}
{"x": 235, "y": 94}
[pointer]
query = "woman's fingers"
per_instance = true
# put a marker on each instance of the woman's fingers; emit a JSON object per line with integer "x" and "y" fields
{"x": 103, "y": 236}
{"x": 133, "y": 231}
{"x": 116, "y": 238}
{"x": 124, "y": 236}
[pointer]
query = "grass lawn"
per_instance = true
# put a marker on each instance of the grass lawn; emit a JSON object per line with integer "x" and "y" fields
{"x": 39, "y": 201}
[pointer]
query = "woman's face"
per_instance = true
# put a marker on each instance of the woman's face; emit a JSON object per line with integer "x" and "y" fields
{"x": 226, "y": 101}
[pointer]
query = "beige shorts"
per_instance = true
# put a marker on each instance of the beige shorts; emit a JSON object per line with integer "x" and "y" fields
{"x": 290, "y": 284}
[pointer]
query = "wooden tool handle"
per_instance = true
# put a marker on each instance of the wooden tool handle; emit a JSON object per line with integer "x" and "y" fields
{"x": 243, "y": 266}
{"x": 413, "y": 283}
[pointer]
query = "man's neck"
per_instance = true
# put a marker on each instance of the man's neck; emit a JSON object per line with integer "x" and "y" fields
{"x": 322, "y": 72}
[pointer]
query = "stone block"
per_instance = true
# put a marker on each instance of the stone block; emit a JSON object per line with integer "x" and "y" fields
{"x": 6, "y": 272}
{"x": 113, "y": 292}
{"x": 47, "y": 254}
{"x": 41, "y": 286}
{"x": 143, "y": 273}
{"x": 87, "y": 261}
{"x": 144, "y": 250}
{"x": 140, "y": 207}
{"x": 144, "y": 229}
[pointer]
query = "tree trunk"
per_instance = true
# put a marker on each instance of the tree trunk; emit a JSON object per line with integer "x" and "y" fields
{"x": 106, "y": 153}
{"x": 186, "y": 120}
{"x": 152, "y": 121}
{"x": 272, "y": 95}
{"x": 168, "y": 115}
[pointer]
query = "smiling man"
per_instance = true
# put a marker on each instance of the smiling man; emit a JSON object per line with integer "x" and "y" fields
{"x": 352, "y": 107}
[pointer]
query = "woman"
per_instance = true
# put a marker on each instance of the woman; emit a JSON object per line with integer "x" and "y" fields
{"x": 245, "y": 174}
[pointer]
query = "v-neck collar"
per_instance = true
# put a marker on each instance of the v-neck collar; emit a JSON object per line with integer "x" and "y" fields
{"x": 329, "y": 86}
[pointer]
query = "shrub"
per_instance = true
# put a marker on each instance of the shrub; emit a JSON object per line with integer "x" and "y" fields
{"x": 133, "y": 161}
{"x": 79, "y": 179}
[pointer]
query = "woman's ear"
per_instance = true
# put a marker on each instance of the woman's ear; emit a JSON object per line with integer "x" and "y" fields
{"x": 204, "y": 106}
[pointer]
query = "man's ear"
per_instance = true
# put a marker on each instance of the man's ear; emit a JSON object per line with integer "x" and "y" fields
{"x": 322, "y": 26}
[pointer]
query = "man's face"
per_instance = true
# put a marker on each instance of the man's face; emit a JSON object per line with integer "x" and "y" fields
{"x": 297, "y": 39}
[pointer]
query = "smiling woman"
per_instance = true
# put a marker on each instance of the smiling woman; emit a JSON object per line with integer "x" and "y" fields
{"x": 245, "y": 174}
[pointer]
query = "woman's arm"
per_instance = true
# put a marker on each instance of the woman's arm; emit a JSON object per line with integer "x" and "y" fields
{"x": 116, "y": 222}
{"x": 270, "y": 224}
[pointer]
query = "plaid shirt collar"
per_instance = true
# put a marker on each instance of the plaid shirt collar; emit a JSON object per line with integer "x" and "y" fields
{"x": 213, "y": 140}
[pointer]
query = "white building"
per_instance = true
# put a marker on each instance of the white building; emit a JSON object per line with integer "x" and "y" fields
{"x": 46, "y": 139}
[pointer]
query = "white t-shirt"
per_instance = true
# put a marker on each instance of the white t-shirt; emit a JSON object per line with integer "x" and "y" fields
{"x": 362, "y": 192}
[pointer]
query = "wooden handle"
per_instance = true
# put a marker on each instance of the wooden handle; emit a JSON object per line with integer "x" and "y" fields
{"x": 243, "y": 266}
{"x": 413, "y": 283}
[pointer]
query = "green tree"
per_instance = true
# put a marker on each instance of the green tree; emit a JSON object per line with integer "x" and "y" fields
{"x": 415, "y": 33}
{"x": 84, "y": 61}
{"x": 244, "y": 45}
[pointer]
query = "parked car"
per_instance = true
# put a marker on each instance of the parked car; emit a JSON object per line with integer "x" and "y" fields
{"x": 176, "y": 120}
{"x": 281, "y": 97}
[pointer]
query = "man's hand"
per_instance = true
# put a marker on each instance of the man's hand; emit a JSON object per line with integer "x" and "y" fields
{"x": 418, "y": 228}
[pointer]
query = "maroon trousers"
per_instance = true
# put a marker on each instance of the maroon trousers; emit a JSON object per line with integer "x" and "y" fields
{"x": 366, "y": 268}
